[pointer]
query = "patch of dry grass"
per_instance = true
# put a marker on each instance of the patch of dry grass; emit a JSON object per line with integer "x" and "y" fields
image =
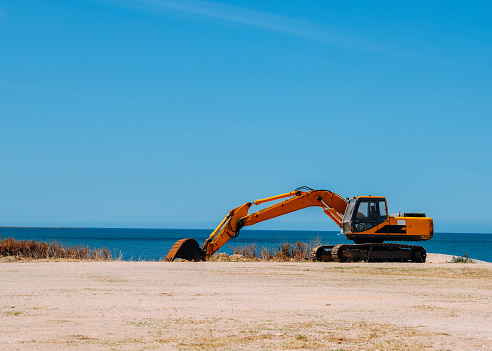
{"x": 217, "y": 334}
{"x": 32, "y": 249}
{"x": 249, "y": 251}
{"x": 298, "y": 251}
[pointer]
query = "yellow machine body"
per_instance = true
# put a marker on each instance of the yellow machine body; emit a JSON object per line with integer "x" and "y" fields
{"x": 366, "y": 220}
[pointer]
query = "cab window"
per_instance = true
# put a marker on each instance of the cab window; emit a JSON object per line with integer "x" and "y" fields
{"x": 370, "y": 213}
{"x": 383, "y": 212}
{"x": 367, "y": 210}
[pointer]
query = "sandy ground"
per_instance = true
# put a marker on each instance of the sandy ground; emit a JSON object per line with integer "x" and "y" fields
{"x": 245, "y": 306}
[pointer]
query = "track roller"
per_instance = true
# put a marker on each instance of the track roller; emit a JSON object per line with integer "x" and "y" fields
{"x": 321, "y": 253}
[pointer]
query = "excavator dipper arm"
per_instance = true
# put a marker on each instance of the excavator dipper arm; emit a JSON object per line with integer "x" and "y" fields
{"x": 333, "y": 205}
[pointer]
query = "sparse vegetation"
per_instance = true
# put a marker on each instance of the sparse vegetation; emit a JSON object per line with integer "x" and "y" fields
{"x": 461, "y": 259}
{"x": 248, "y": 251}
{"x": 50, "y": 250}
{"x": 283, "y": 252}
{"x": 311, "y": 335}
{"x": 13, "y": 313}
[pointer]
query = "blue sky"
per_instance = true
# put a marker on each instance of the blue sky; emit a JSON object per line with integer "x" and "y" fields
{"x": 167, "y": 114}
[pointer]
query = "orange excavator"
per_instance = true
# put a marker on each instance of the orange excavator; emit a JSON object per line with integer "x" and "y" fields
{"x": 363, "y": 219}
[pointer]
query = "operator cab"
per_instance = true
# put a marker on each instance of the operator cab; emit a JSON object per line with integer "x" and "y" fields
{"x": 364, "y": 213}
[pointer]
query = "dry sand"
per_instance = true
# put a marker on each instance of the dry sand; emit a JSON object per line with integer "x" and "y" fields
{"x": 245, "y": 306}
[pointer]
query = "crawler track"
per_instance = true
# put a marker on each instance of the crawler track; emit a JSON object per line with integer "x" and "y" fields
{"x": 369, "y": 252}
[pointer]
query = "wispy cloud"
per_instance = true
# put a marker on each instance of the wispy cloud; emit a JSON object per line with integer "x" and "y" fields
{"x": 232, "y": 13}
{"x": 266, "y": 21}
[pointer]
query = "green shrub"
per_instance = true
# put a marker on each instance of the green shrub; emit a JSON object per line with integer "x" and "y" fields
{"x": 462, "y": 259}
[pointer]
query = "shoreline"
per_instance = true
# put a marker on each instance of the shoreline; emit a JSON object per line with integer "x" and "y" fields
{"x": 42, "y": 227}
{"x": 155, "y": 244}
{"x": 431, "y": 258}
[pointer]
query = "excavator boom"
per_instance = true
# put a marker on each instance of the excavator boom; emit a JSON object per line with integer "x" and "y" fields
{"x": 333, "y": 205}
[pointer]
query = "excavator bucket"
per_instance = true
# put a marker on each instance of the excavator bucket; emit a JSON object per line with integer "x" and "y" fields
{"x": 185, "y": 248}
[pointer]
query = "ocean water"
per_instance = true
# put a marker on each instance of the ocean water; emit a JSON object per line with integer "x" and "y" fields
{"x": 154, "y": 244}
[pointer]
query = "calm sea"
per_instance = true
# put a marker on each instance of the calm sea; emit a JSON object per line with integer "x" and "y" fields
{"x": 153, "y": 244}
